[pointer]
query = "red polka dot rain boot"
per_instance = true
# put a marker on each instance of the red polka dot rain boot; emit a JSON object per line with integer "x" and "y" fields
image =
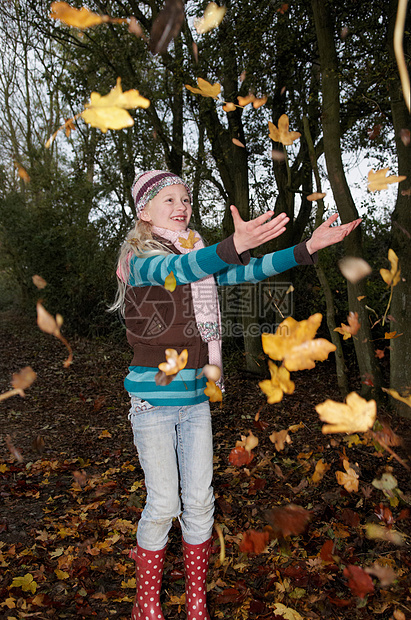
{"x": 196, "y": 559}
{"x": 149, "y": 572}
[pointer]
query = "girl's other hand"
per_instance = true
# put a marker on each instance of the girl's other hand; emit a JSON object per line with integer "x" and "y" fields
{"x": 326, "y": 235}
{"x": 249, "y": 235}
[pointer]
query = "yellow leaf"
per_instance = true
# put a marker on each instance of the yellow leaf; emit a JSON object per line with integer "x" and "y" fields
{"x": 352, "y": 328}
{"x": 391, "y": 276}
{"x": 213, "y": 16}
{"x": 279, "y": 439}
{"x": 354, "y": 269}
{"x": 110, "y": 111}
{"x": 190, "y": 242}
{"x": 213, "y": 392}
{"x": 355, "y": 415}
{"x": 79, "y": 18}
{"x": 316, "y": 196}
{"x": 130, "y": 583}
{"x": 170, "y": 282}
{"x": 22, "y": 172}
{"x": 278, "y": 384}
{"x": 3, "y": 468}
{"x": 378, "y": 180}
{"x": 175, "y": 362}
{"x": 293, "y": 343}
{"x": 373, "y": 530}
{"x": 360, "y": 297}
{"x": 205, "y": 89}
{"x": 281, "y": 134}
{"x": 320, "y": 469}
{"x": 10, "y": 603}
{"x": 397, "y": 396}
{"x": 61, "y": 574}
{"x": 26, "y": 583}
{"x": 348, "y": 480}
{"x": 286, "y": 612}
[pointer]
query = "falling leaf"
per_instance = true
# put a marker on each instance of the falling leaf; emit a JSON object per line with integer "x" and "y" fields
{"x": 22, "y": 172}
{"x": 385, "y": 574}
{"x": 379, "y": 180}
{"x": 213, "y": 392}
{"x": 391, "y": 276}
{"x": 259, "y": 101}
{"x": 379, "y": 353}
{"x": 290, "y": 520}
{"x": 320, "y": 469}
{"x": 359, "y": 582}
{"x": 26, "y": 583}
{"x": 349, "y": 479}
{"x": 175, "y": 362}
{"x": 68, "y": 126}
{"x": 110, "y": 111}
{"x": 387, "y": 482}
{"x": 391, "y": 335}
{"x": 282, "y": 10}
{"x": 237, "y": 143}
{"x": 212, "y": 18}
{"x": 316, "y": 196}
{"x": 195, "y": 51}
{"x": 352, "y": 328}
{"x": 15, "y": 452}
{"x": 135, "y": 28}
{"x": 289, "y": 290}
{"x": 243, "y": 101}
{"x": 397, "y": 396}
{"x": 279, "y": 439}
{"x": 170, "y": 282}
{"x": 355, "y": 415}
{"x": 23, "y": 379}
{"x": 190, "y": 242}
{"x": 354, "y": 269}
{"x": 254, "y": 542}
{"x": 405, "y": 136}
{"x": 281, "y": 134}
{"x": 52, "y": 325}
{"x": 211, "y": 371}
{"x": 229, "y": 107}
{"x": 374, "y": 132}
{"x": 277, "y": 155}
{"x": 205, "y": 89}
{"x": 279, "y": 383}
{"x": 293, "y": 343}
{"x": 79, "y": 18}
{"x": 240, "y": 456}
{"x": 39, "y": 282}
{"x": 375, "y": 531}
{"x": 361, "y": 297}
{"x": 167, "y": 26}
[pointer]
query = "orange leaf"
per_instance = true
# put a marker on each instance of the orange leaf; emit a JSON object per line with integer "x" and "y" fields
{"x": 229, "y": 107}
{"x": 79, "y": 18}
{"x": 237, "y": 143}
{"x": 352, "y": 328}
{"x": 378, "y": 180}
{"x": 320, "y": 469}
{"x": 23, "y": 379}
{"x": 258, "y": 102}
{"x": 391, "y": 335}
{"x": 280, "y": 439}
{"x": 355, "y": 415}
{"x": 190, "y": 242}
{"x": 278, "y": 384}
{"x": 213, "y": 392}
{"x": 205, "y": 89}
{"x": 316, "y": 196}
{"x": 243, "y": 101}
{"x": 254, "y": 542}
{"x": 348, "y": 480}
{"x": 175, "y": 362}
{"x": 391, "y": 276}
{"x": 22, "y": 172}
{"x": 39, "y": 282}
{"x": 240, "y": 456}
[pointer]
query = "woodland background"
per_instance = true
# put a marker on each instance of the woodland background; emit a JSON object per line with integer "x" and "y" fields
{"x": 71, "y": 486}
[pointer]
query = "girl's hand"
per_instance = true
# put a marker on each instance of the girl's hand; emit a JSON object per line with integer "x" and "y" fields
{"x": 325, "y": 235}
{"x": 249, "y": 235}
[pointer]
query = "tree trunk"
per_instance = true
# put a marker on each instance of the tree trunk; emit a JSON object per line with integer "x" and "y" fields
{"x": 368, "y": 366}
{"x": 400, "y": 356}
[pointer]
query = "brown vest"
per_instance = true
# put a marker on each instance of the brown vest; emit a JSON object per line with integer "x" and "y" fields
{"x": 157, "y": 319}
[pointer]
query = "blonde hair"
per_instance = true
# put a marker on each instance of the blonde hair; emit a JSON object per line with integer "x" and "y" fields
{"x": 138, "y": 242}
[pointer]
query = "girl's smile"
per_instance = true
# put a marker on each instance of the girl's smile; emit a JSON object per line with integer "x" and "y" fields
{"x": 170, "y": 208}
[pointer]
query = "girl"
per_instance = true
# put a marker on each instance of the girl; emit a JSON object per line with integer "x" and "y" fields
{"x": 171, "y": 423}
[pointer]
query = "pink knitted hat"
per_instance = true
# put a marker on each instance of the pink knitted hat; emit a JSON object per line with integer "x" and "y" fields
{"x": 147, "y": 185}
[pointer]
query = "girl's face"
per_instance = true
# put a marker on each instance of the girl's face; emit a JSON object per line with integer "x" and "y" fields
{"x": 170, "y": 208}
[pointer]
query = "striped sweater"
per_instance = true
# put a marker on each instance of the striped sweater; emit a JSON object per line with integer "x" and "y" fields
{"x": 187, "y": 388}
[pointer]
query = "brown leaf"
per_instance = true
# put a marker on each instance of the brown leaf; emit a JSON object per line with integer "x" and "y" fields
{"x": 287, "y": 521}
{"x": 240, "y": 456}
{"x": 405, "y": 137}
{"x": 167, "y": 26}
{"x": 38, "y": 444}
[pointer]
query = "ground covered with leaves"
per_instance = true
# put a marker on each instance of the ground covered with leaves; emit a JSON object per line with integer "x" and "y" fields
{"x": 298, "y": 543}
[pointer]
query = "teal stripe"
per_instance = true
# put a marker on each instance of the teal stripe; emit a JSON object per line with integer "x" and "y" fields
{"x": 185, "y": 389}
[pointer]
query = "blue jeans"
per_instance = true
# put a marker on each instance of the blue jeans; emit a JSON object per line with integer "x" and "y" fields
{"x": 175, "y": 449}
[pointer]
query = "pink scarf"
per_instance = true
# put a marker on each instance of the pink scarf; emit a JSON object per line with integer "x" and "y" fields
{"x": 205, "y": 299}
